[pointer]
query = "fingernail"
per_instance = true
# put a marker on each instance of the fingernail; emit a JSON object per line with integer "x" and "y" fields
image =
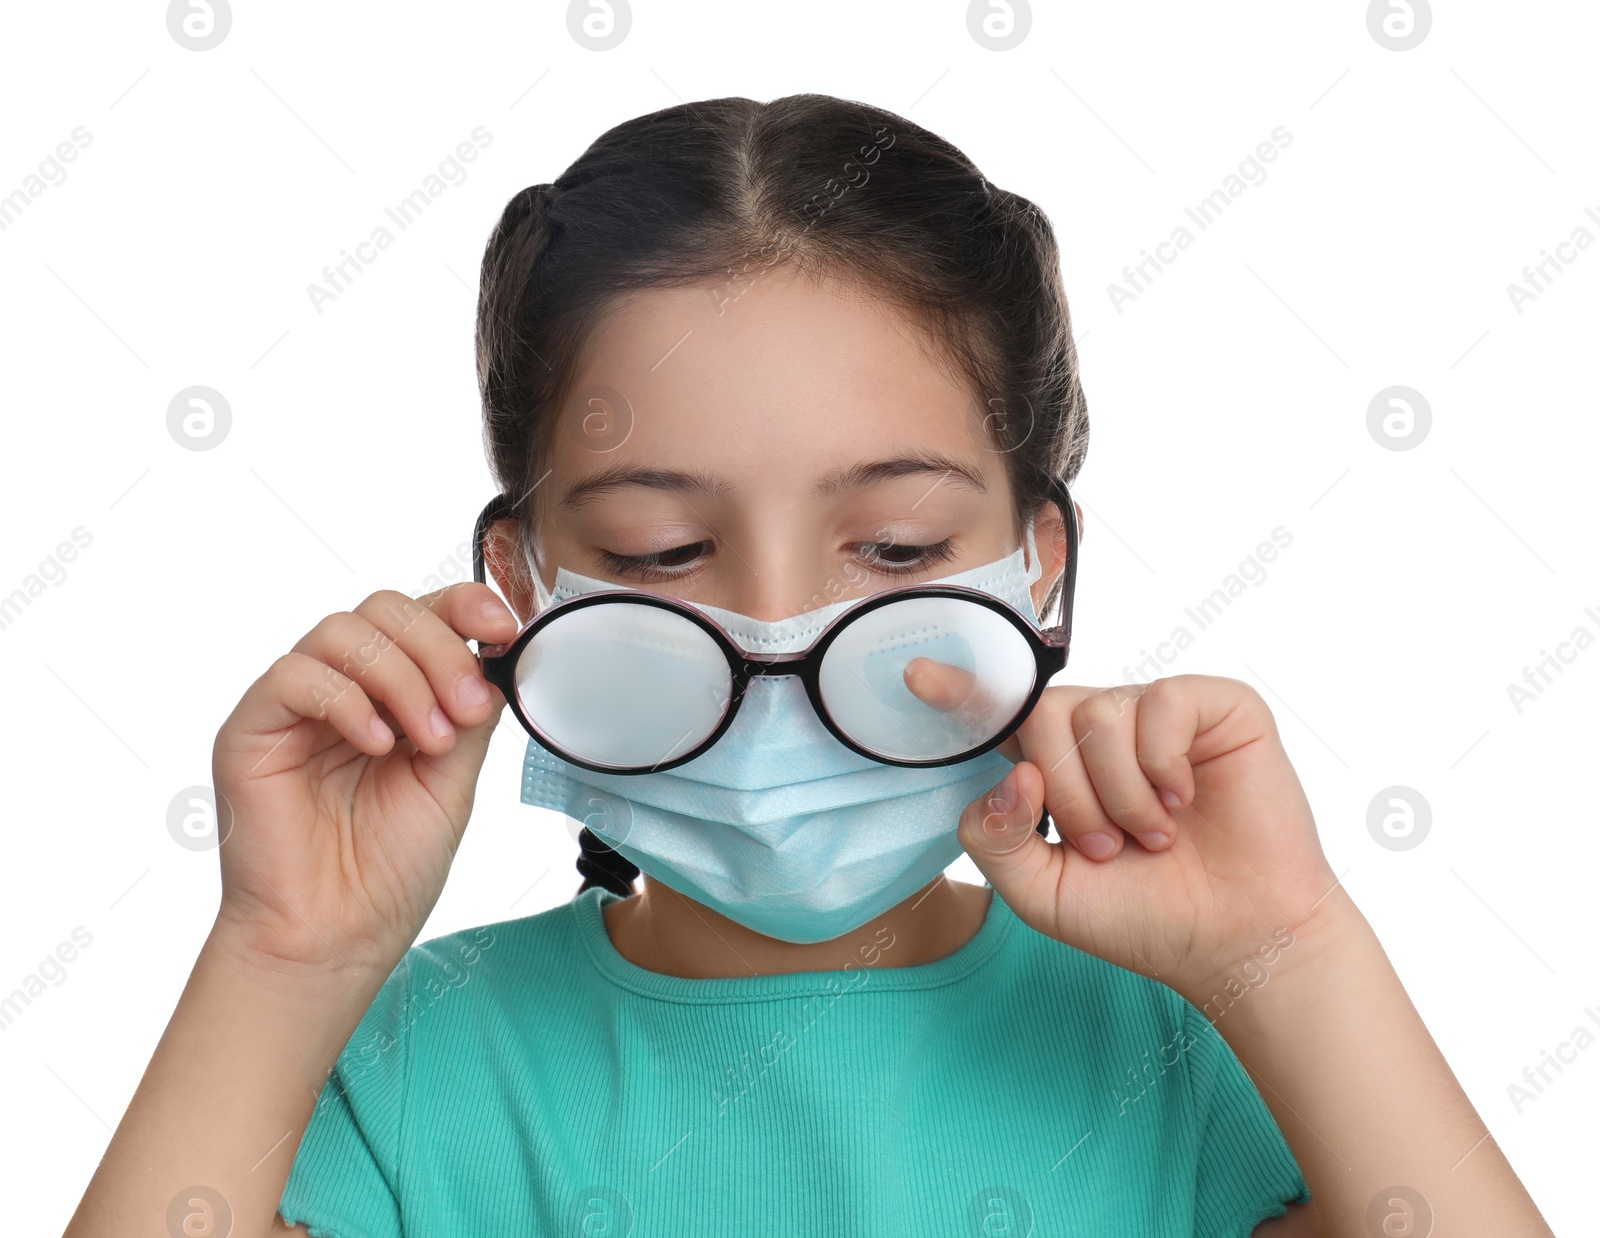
{"x": 1171, "y": 798}
{"x": 440, "y": 724}
{"x": 1153, "y": 839}
{"x": 380, "y": 730}
{"x": 1096, "y": 846}
{"x": 492, "y": 609}
{"x": 1004, "y": 798}
{"x": 470, "y": 690}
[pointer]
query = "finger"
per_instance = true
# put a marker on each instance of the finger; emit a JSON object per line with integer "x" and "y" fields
{"x": 432, "y": 631}
{"x": 1046, "y": 740}
{"x": 1039, "y": 719}
{"x": 1187, "y": 720}
{"x": 352, "y": 645}
{"x": 938, "y": 684}
{"x": 452, "y": 777}
{"x": 1168, "y": 721}
{"x": 297, "y": 687}
{"x": 426, "y": 630}
{"x": 1105, "y": 725}
{"x": 1000, "y": 822}
{"x": 998, "y": 831}
{"x": 474, "y": 610}
{"x": 953, "y": 690}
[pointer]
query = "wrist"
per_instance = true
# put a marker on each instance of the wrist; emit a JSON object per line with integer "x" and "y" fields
{"x": 233, "y": 949}
{"x": 1326, "y": 959}
{"x": 1288, "y": 953}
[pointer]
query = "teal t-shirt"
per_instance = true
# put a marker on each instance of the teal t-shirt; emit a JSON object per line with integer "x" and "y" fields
{"x": 524, "y": 1078}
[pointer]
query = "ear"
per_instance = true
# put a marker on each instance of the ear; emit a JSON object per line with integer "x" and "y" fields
{"x": 1050, "y": 538}
{"x": 504, "y": 559}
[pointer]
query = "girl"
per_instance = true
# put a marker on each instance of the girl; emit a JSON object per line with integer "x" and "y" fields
{"x": 763, "y": 363}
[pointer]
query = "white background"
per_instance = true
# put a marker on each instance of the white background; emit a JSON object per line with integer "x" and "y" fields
{"x": 1228, "y": 399}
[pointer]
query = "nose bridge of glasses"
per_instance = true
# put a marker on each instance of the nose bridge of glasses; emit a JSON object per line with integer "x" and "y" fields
{"x": 767, "y": 664}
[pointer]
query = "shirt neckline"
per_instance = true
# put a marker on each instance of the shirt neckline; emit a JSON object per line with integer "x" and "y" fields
{"x": 587, "y": 910}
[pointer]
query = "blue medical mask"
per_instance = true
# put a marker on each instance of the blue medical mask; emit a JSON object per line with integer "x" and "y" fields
{"x": 778, "y": 825}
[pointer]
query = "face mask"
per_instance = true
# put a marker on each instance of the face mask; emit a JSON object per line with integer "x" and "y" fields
{"x": 778, "y": 825}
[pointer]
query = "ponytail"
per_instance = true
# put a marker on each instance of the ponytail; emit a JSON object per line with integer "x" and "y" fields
{"x": 601, "y": 866}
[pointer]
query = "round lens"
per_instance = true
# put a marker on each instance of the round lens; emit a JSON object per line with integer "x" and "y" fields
{"x": 623, "y": 684}
{"x": 926, "y": 678}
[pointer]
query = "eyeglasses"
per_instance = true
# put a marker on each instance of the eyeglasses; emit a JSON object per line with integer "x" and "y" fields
{"x": 624, "y": 681}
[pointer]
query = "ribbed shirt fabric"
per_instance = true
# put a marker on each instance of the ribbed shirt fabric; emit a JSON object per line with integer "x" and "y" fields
{"x": 524, "y": 1078}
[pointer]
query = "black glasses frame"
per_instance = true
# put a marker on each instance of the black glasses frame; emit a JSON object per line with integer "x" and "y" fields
{"x": 1050, "y": 648}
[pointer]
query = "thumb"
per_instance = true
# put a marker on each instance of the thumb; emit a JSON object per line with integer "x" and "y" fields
{"x": 472, "y": 742}
{"x": 999, "y": 832}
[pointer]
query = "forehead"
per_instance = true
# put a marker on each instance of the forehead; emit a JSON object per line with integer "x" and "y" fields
{"x": 778, "y": 370}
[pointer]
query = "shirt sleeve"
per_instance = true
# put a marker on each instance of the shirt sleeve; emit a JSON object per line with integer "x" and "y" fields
{"x": 1246, "y": 1172}
{"x": 344, "y": 1181}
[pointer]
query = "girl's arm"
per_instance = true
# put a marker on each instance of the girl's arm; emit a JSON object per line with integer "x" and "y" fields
{"x": 345, "y": 778}
{"x": 1211, "y": 870}
{"x": 226, "y": 1098}
{"x": 1364, "y": 1097}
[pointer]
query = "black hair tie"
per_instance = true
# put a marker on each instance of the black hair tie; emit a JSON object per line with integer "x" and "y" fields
{"x": 600, "y": 865}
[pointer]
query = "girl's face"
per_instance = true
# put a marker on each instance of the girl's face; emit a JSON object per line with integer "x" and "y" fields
{"x": 769, "y": 448}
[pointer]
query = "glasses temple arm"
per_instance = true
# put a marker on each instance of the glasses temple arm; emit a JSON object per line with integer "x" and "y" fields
{"x": 1060, "y": 636}
{"x": 496, "y": 508}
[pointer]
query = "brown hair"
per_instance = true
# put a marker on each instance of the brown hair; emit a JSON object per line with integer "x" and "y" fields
{"x": 722, "y": 187}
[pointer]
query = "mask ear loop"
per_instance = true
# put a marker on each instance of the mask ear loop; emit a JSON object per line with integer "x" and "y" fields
{"x": 543, "y": 595}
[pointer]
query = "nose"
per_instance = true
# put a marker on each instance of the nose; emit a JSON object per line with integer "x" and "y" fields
{"x": 772, "y": 591}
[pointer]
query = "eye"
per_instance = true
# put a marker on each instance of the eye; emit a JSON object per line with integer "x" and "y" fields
{"x": 888, "y": 558}
{"x": 662, "y": 565}
{"x": 884, "y": 556}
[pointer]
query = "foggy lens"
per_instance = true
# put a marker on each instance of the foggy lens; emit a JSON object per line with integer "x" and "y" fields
{"x": 926, "y": 678}
{"x": 623, "y": 684}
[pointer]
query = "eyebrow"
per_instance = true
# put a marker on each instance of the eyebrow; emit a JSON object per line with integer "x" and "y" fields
{"x": 697, "y": 481}
{"x": 871, "y": 472}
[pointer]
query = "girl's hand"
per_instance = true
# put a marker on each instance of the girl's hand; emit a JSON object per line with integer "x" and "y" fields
{"x": 349, "y": 768}
{"x": 1219, "y": 871}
